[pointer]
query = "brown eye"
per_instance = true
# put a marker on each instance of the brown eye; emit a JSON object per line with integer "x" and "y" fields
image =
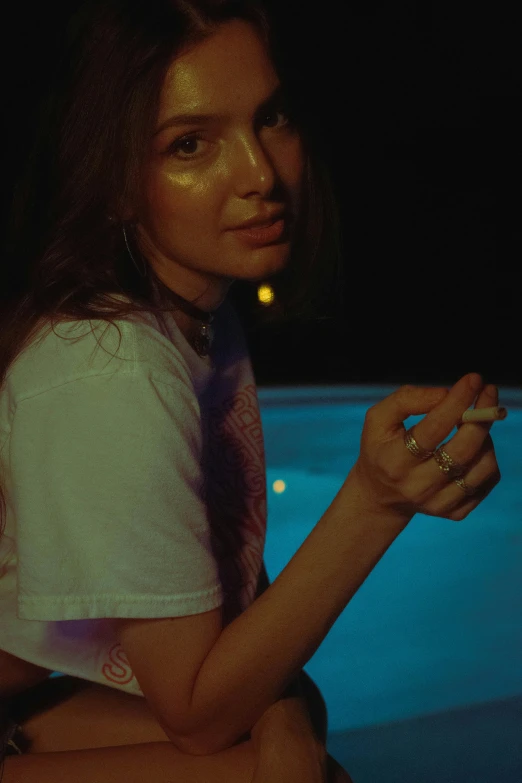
{"x": 273, "y": 114}
{"x": 188, "y": 145}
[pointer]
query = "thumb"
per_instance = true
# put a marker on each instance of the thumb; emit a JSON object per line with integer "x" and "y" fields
{"x": 406, "y": 401}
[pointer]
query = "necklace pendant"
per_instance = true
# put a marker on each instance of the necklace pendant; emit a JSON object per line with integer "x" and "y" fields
{"x": 203, "y": 341}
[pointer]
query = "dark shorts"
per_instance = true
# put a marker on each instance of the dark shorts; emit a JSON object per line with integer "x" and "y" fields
{"x": 12, "y": 739}
{"x": 16, "y": 710}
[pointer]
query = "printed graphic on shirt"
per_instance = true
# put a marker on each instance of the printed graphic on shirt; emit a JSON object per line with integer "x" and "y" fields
{"x": 235, "y": 492}
{"x": 236, "y": 496}
{"x": 118, "y": 670}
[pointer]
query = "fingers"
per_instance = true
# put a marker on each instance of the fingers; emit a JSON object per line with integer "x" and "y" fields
{"x": 389, "y": 414}
{"x": 461, "y": 511}
{"x": 470, "y": 437}
{"x": 401, "y": 478}
{"x": 438, "y": 424}
{"x": 464, "y": 448}
{"x": 487, "y": 394}
{"x": 483, "y": 475}
{"x": 452, "y": 502}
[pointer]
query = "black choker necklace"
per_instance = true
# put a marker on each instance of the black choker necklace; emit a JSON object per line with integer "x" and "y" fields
{"x": 203, "y": 340}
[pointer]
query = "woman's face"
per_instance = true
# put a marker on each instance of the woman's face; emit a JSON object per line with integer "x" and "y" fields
{"x": 207, "y": 176}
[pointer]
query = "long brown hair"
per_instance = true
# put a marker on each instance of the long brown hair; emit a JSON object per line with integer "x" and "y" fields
{"x": 64, "y": 259}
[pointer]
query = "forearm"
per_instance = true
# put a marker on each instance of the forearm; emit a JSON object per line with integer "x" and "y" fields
{"x": 261, "y": 652}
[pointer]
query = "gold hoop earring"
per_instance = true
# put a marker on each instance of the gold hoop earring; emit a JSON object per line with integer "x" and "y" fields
{"x": 144, "y": 273}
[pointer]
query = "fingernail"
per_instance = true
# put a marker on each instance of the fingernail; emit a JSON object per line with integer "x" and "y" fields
{"x": 475, "y": 381}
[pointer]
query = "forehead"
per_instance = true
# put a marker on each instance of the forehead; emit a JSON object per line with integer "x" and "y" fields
{"x": 229, "y": 69}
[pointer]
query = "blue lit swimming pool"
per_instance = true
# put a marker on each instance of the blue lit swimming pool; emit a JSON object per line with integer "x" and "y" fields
{"x": 422, "y": 672}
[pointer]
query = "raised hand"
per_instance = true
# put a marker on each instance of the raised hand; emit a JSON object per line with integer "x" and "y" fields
{"x": 406, "y": 472}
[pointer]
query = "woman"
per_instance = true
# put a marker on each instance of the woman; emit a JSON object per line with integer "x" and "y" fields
{"x": 134, "y": 532}
{"x": 108, "y": 123}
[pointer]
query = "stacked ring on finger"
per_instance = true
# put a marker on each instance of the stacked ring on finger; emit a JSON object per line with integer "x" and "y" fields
{"x": 448, "y": 465}
{"x": 465, "y": 487}
{"x": 413, "y": 447}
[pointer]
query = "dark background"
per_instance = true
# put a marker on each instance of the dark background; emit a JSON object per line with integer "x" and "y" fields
{"x": 419, "y": 110}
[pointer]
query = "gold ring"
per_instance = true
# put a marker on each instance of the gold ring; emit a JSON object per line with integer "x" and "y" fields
{"x": 465, "y": 487}
{"x": 413, "y": 447}
{"x": 448, "y": 466}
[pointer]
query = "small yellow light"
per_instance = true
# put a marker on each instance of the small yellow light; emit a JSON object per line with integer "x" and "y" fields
{"x": 265, "y": 294}
{"x": 279, "y": 486}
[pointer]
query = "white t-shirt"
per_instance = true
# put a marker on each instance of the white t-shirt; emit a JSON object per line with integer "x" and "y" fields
{"x": 135, "y": 486}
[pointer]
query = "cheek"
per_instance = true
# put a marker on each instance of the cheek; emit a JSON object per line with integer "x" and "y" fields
{"x": 164, "y": 195}
{"x": 183, "y": 198}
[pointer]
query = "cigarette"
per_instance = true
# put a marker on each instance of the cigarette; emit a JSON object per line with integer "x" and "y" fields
{"x": 484, "y": 414}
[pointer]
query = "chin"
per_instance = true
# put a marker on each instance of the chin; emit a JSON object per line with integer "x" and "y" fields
{"x": 269, "y": 260}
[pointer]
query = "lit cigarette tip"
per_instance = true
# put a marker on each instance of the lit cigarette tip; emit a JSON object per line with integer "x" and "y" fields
{"x": 485, "y": 414}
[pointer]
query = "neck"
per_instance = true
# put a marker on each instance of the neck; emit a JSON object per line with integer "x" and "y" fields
{"x": 188, "y": 326}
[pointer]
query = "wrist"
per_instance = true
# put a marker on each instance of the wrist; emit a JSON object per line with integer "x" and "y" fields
{"x": 365, "y": 501}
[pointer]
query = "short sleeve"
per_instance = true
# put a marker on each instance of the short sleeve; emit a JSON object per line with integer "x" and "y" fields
{"x": 108, "y": 495}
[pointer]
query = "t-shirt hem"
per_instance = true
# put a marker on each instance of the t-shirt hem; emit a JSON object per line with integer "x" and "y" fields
{"x": 96, "y": 607}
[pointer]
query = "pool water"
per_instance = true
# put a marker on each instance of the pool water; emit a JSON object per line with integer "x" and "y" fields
{"x": 422, "y": 672}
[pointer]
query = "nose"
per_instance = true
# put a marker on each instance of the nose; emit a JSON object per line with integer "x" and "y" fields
{"x": 254, "y": 171}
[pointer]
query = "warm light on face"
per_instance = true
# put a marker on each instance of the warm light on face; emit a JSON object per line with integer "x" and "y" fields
{"x": 225, "y": 150}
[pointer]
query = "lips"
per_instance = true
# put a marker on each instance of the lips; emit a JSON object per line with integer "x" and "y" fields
{"x": 261, "y": 222}
{"x": 263, "y": 235}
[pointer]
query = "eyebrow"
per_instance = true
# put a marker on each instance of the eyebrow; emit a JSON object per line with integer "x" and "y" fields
{"x": 201, "y": 119}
